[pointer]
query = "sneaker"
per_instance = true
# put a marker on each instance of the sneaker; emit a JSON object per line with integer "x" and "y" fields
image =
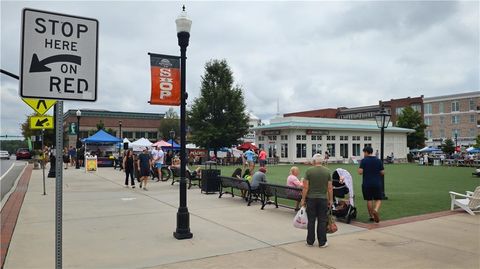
{"x": 140, "y": 185}
{"x": 324, "y": 245}
{"x": 376, "y": 217}
{"x": 309, "y": 245}
{"x": 145, "y": 189}
{"x": 133, "y": 187}
{"x": 370, "y": 219}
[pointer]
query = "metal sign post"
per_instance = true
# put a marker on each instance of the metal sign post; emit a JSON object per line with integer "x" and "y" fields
{"x": 43, "y": 162}
{"x": 58, "y": 183}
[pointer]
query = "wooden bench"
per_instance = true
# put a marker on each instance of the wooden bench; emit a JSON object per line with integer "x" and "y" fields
{"x": 279, "y": 191}
{"x": 239, "y": 184}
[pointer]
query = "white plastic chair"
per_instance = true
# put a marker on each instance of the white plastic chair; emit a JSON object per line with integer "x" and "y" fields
{"x": 469, "y": 203}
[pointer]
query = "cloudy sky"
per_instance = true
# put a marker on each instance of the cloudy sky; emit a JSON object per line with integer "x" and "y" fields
{"x": 306, "y": 55}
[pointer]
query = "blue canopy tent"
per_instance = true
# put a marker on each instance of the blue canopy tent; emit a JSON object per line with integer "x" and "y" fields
{"x": 174, "y": 144}
{"x": 473, "y": 150}
{"x": 430, "y": 150}
{"x": 102, "y": 138}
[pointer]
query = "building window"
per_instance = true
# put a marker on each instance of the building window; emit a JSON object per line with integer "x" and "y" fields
{"x": 344, "y": 138}
{"x": 442, "y": 119}
{"x": 428, "y": 121}
{"x": 316, "y": 137}
{"x": 356, "y": 149}
{"x": 417, "y": 107}
{"x": 356, "y": 138}
{"x": 152, "y": 135}
{"x": 472, "y": 133}
{"x": 301, "y": 150}
{"x": 331, "y": 149}
{"x": 272, "y": 137}
{"x": 455, "y": 131}
{"x": 472, "y": 118}
{"x": 429, "y": 134}
{"x": 316, "y": 148}
{"x": 367, "y": 138}
{"x": 260, "y": 146}
{"x": 139, "y": 135}
{"x": 441, "y": 108}
{"x": 284, "y": 150}
{"x": 471, "y": 104}
{"x": 127, "y": 134}
{"x": 301, "y": 137}
{"x": 455, "y": 106}
{"x": 284, "y": 137}
{"x": 344, "y": 150}
{"x": 399, "y": 110}
{"x": 331, "y": 137}
{"x": 428, "y": 108}
{"x": 261, "y": 138}
{"x": 455, "y": 119}
{"x": 442, "y": 133}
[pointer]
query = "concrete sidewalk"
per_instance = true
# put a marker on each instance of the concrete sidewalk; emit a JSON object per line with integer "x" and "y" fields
{"x": 108, "y": 226}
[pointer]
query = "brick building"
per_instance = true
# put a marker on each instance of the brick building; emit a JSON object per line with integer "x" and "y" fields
{"x": 134, "y": 125}
{"x": 395, "y": 106}
{"x": 452, "y": 114}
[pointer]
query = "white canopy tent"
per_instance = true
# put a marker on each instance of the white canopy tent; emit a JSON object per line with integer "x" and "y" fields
{"x": 140, "y": 144}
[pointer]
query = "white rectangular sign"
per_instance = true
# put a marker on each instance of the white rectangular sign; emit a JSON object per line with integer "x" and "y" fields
{"x": 59, "y": 56}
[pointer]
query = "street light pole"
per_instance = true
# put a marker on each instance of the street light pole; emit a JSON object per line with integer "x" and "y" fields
{"x": 79, "y": 114}
{"x": 121, "y": 143}
{"x": 382, "y": 119}
{"x": 183, "y": 216}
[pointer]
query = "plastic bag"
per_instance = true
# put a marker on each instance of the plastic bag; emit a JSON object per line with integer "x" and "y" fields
{"x": 301, "y": 221}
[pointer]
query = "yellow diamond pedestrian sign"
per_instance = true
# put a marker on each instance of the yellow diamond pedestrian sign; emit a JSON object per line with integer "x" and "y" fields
{"x": 41, "y": 122}
{"x": 39, "y": 105}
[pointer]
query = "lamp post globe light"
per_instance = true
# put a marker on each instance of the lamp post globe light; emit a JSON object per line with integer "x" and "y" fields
{"x": 382, "y": 119}
{"x": 78, "y": 144}
{"x": 183, "y": 217}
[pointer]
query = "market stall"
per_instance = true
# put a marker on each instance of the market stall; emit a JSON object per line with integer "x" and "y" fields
{"x": 102, "y": 145}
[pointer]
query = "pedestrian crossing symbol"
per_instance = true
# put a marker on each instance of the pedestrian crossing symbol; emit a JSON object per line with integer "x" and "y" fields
{"x": 41, "y": 106}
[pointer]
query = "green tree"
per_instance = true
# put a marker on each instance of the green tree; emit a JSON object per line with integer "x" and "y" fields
{"x": 100, "y": 125}
{"x": 217, "y": 118}
{"x": 477, "y": 142}
{"x": 412, "y": 119}
{"x": 448, "y": 146}
{"x": 170, "y": 122}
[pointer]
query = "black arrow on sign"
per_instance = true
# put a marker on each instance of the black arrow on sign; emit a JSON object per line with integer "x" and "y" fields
{"x": 39, "y": 66}
{"x": 41, "y": 122}
{"x": 41, "y": 102}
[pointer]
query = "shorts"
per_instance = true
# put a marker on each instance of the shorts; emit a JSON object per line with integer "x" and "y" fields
{"x": 250, "y": 162}
{"x": 144, "y": 172}
{"x": 158, "y": 165}
{"x": 372, "y": 193}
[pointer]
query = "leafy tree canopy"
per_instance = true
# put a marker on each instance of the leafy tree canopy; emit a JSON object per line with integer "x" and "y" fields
{"x": 218, "y": 117}
{"x": 412, "y": 119}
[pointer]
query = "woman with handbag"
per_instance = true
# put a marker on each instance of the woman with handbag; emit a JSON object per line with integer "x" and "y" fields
{"x": 317, "y": 196}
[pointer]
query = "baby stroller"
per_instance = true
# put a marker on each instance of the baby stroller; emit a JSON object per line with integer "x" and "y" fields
{"x": 341, "y": 209}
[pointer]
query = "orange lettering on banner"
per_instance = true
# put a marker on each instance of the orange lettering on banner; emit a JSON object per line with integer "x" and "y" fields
{"x": 165, "y": 86}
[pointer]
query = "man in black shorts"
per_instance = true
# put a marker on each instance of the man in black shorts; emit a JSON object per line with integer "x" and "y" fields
{"x": 144, "y": 163}
{"x": 372, "y": 170}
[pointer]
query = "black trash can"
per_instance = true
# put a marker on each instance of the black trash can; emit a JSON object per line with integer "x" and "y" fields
{"x": 210, "y": 179}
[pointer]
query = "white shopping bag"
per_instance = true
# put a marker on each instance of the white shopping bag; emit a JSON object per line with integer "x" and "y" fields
{"x": 300, "y": 221}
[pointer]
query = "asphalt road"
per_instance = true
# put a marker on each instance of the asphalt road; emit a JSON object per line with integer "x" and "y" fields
{"x": 5, "y": 165}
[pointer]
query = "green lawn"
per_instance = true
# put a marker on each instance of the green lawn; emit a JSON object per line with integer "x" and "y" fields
{"x": 411, "y": 189}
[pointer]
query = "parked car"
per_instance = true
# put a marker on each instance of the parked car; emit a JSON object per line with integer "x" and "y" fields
{"x": 4, "y": 154}
{"x": 23, "y": 153}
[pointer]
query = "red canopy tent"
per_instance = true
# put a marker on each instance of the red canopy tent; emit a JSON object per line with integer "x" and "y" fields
{"x": 247, "y": 146}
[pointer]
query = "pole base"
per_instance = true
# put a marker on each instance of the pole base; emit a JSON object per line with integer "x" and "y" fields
{"x": 183, "y": 224}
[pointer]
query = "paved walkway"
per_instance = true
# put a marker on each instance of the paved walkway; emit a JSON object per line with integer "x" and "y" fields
{"x": 109, "y": 226}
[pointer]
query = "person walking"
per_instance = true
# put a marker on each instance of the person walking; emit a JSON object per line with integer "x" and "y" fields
{"x": 317, "y": 196}
{"x": 128, "y": 168}
{"x": 249, "y": 156}
{"x": 143, "y": 164}
{"x": 262, "y": 157}
{"x": 371, "y": 169}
